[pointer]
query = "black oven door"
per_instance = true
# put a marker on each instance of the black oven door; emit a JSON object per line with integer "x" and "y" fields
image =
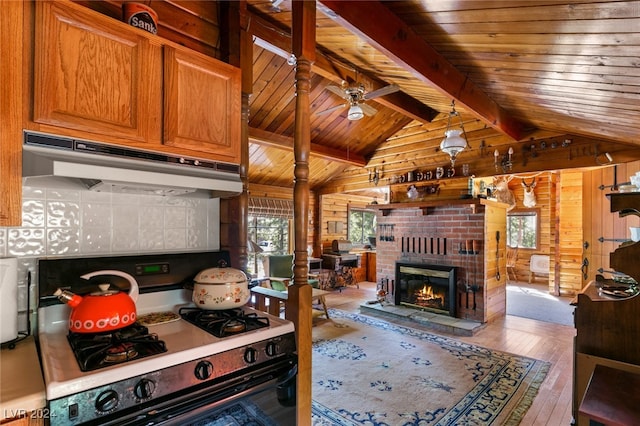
{"x": 267, "y": 395}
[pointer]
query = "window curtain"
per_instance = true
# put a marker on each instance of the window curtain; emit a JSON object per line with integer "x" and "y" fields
{"x": 271, "y": 207}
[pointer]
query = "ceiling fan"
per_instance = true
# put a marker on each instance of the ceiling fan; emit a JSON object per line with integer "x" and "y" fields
{"x": 356, "y": 97}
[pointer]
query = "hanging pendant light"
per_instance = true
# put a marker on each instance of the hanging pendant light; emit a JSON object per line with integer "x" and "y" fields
{"x": 453, "y": 143}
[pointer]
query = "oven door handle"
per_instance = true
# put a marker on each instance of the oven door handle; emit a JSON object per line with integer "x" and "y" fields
{"x": 189, "y": 406}
{"x": 194, "y": 409}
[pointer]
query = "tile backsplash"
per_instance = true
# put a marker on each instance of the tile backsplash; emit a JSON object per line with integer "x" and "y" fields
{"x": 69, "y": 222}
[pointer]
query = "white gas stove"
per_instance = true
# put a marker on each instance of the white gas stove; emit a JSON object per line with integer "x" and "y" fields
{"x": 195, "y": 361}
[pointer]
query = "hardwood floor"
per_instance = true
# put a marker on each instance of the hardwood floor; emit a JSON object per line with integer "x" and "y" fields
{"x": 521, "y": 336}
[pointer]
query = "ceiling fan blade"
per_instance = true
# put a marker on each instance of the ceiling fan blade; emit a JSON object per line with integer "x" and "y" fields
{"x": 368, "y": 109}
{"x": 386, "y": 90}
{"x": 327, "y": 111}
{"x": 338, "y": 91}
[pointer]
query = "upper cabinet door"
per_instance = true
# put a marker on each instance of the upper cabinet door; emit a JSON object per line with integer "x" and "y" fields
{"x": 202, "y": 104}
{"x": 95, "y": 74}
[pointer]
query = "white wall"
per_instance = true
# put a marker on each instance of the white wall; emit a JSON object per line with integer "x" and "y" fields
{"x": 74, "y": 223}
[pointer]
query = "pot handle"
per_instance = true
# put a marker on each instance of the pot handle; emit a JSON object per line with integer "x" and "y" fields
{"x": 133, "y": 291}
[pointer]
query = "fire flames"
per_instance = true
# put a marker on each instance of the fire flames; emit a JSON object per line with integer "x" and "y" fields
{"x": 426, "y": 297}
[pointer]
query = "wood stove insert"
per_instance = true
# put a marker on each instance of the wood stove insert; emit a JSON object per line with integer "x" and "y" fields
{"x": 426, "y": 287}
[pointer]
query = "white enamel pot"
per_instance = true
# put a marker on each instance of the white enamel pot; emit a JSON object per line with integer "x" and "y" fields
{"x": 220, "y": 288}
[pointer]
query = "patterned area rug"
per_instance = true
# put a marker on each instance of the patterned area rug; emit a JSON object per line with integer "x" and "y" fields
{"x": 368, "y": 371}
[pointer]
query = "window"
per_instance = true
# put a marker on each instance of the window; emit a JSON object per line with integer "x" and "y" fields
{"x": 522, "y": 229}
{"x": 272, "y": 236}
{"x": 361, "y": 226}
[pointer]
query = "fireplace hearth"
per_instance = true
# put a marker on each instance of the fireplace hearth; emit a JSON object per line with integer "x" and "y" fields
{"x": 426, "y": 287}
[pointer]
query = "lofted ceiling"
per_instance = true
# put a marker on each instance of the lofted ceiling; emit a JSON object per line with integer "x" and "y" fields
{"x": 523, "y": 74}
{"x": 556, "y": 81}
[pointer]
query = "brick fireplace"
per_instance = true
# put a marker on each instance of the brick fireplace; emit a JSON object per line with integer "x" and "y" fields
{"x": 442, "y": 236}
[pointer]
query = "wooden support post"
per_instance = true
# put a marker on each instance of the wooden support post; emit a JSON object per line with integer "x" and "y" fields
{"x": 239, "y": 52}
{"x": 299, "y": 303}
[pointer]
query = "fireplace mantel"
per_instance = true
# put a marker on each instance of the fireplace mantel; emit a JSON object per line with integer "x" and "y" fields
{"x": 473, "y": 203}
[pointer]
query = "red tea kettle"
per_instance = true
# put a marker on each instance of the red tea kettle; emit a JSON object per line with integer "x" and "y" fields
{"x": 103, "y": 310}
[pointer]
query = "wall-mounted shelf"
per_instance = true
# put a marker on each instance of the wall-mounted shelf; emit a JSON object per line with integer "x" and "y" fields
{"x": 473, "y": 203}
{"x": 624, "y": 258}
{"x": 625, "y": 203}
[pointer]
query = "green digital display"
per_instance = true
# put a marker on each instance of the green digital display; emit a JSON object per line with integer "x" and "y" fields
{"x": 150, "y": 269}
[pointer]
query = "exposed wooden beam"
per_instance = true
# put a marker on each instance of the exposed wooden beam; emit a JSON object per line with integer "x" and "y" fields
{"x": 284, "y": 142}
{"x": 336, "y": 71}
{"x": 393, "y": 37}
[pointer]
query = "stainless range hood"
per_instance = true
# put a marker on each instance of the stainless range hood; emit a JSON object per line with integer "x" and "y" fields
{"x": 97, "y": 166}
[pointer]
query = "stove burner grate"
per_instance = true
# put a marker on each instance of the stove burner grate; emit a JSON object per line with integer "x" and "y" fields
{"x": 97, "y": 350}
{"x": 224, "y": 323}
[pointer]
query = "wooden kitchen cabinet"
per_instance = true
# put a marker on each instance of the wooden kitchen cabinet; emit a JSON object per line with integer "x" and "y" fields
{"x": 371, "y": 267}
{"x": 100, "y": 79}
{"x": 11, "y": 102}
{"x": 202, "y": 104}
{"x": 607, "y": 329}
{"x": 95, "y": 75}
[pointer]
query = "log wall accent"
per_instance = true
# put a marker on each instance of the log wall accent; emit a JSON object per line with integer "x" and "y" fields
{"x": 545, "y": 204}
{"x": 334, "y": 216}
{"x": 568, "y": 249}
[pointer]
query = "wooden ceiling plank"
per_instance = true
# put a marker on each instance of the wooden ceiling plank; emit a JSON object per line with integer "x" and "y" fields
{"x": 606, "y": 54}
{"x": 511, "y": 13}
{"x": 394, "y": 38}
{"x": 284, "y": 142}
{"x": 540, "y": 85}
{"x": 610, "y": 26}
{"x": 337, "y": 72}
{"x": 506, "y": 59}
{"x": 626, "y": 40}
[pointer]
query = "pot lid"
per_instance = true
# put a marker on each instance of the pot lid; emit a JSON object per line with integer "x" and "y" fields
{"x": 221, "y": 275}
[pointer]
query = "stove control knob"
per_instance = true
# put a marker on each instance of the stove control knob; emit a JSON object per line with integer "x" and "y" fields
{"x": 250, "y": 355}
{"x": 107, "y": 401}
{"x": 203, "y": 370}
{"x": 144, "y": 389}
{"x": 271, "y": 349}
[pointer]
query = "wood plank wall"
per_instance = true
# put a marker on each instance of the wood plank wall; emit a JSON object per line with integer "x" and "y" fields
{"x": 545, "y": 204}
{"x": 562, "y": 228}
{"x": 495, "y": 290}
{"x": 568, "y": 247}
{"x": 599, "y": 221}
{"x": 334, "y": 208}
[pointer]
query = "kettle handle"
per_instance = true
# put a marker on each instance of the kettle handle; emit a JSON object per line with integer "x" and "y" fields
{"x": 133, "y": 291}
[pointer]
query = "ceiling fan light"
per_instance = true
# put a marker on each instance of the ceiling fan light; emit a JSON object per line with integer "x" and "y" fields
{"x": 355, "y": 113}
